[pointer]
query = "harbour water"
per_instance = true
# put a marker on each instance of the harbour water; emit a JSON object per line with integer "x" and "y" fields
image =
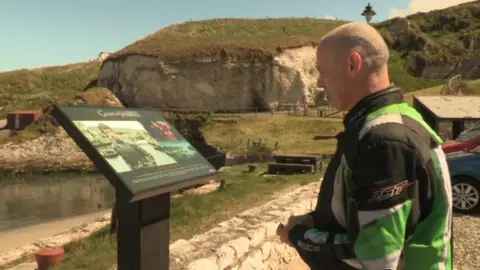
{"x": 35, "y": 199}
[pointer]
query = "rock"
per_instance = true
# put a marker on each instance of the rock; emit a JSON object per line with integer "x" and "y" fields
{"x": 271, "y": 229}
{"x": 257, "y": 236}
{"x": 266, "y": 248}
{"x": 180, "y": 247}
{"x": 398, "y": 26}
{"x": 226, "y": 256}
{"x": 211, "y": 84}
{"x": 253, "y": 262}
{"x": 240, "y": 245}
{"x": 202, "y": 264}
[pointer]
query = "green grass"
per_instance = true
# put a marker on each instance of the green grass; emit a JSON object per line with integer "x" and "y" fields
{"x": 242, "y": 191}
{"x": 230, "y": 38}
{"x": 292, "y": 134}
{"x": 36, "y": 88}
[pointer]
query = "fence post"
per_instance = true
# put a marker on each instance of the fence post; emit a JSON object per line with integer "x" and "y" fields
{"x": 256, "y": 111}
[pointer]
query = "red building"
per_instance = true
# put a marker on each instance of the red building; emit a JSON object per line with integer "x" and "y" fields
{"x": 18, "y": 120}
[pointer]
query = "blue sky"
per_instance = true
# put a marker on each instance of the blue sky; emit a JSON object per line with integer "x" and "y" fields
{"x": 37, "y": 33}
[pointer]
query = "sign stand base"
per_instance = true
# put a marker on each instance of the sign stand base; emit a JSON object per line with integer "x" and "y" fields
{"x": 143, "y": 232}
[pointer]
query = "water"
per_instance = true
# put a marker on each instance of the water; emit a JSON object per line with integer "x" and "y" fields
{"x": 31, "y": 200}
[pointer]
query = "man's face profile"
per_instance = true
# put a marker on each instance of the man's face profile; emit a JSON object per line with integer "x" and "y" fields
{"x": 330, "y": 77}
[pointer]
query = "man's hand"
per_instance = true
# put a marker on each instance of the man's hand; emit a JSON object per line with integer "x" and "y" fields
{"x": 293, "y": 221}
{"x": 282, "y": 232}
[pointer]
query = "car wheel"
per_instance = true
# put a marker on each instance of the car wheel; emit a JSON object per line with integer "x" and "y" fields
{"x": 466, "y": 194}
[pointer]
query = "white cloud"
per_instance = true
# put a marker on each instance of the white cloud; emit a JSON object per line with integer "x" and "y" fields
{"x": 330, "y": 17}
{"x": 424, "y": 6}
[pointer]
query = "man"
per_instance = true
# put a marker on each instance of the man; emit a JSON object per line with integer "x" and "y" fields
{"x": 391, "y": 191}
{"x": 132, "y": 154}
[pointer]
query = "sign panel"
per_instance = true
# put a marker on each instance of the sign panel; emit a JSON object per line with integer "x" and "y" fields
{"x": 136, "y": 148}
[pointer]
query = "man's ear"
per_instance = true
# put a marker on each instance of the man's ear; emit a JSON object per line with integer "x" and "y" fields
{"x": 354, "y": 62}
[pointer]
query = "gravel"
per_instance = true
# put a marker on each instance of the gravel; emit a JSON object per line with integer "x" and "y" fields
{"x": 466, "y": 242}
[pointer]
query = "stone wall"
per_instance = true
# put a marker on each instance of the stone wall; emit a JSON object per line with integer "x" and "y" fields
{"x": 247, "y": 241}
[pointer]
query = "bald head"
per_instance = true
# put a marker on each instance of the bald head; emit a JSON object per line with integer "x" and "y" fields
{"x": 361, "y": 38}
{"x": 352, "y": 61}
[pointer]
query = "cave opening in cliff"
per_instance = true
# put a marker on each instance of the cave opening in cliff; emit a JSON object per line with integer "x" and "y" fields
{"x": 259, "y": 103}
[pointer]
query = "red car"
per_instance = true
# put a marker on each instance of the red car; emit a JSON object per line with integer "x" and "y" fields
{"x": 467, "y": 141}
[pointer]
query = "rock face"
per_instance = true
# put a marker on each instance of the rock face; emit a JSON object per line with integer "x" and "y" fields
{"x": 429, "y": 56}
{"x": 206, "y": 84}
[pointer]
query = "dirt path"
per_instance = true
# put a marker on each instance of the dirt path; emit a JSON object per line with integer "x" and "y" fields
{"x": 23, "y": 236}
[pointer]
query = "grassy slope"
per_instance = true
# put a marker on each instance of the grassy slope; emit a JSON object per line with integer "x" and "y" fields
{"x": 293, "y": 134}
{"x": 446, "y": 31}
{"x": 36, "y": 88}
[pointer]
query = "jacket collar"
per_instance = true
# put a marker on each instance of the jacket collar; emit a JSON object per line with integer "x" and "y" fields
{"x": 373, "y": 102}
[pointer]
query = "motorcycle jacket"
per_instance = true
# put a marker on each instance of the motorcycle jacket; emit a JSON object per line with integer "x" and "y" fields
{"x": 391, "y": 193}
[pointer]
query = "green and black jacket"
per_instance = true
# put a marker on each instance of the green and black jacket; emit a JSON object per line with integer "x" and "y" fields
{"x": 391, "y": 194}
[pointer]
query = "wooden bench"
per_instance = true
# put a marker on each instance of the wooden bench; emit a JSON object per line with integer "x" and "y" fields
{"x": 289, "y": 168}
{"x": 313, "y": 160}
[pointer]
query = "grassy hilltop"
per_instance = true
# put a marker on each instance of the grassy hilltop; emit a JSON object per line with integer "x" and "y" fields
{"x": 36, "y": 88}
{"x": 447, "y": 35}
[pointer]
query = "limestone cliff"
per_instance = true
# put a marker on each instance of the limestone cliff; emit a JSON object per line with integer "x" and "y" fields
{"x": 214, "y": 83}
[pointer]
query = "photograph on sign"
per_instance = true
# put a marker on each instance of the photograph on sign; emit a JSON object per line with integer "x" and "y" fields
{"x": 143, "y": 149}
{"x": 126, "y": 145}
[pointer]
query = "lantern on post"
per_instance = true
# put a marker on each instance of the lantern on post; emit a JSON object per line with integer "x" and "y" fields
{"x": 368, "y": 13}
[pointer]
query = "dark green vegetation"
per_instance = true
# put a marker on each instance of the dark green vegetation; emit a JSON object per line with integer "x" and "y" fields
{"x": 443, "y": 35}
{"x": 242, "y": 191}
{"x": 438, "y": 37}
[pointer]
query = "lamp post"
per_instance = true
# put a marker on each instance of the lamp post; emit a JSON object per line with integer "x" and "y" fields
{"x": 368, "y": 13}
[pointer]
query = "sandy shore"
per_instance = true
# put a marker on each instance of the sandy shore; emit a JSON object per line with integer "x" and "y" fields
{"x": 15, "y": 238}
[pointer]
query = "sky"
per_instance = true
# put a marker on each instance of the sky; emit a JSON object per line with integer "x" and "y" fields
{"x": 37, "y": 33}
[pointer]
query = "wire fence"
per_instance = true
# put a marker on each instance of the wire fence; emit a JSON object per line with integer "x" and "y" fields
{"x": 282, "y": 109}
